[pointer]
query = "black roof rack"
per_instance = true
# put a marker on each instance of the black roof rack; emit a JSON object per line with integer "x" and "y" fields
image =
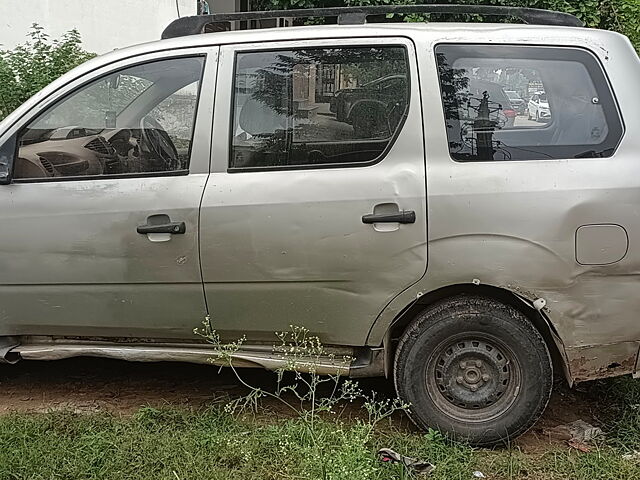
{"x": 358, "y": 15}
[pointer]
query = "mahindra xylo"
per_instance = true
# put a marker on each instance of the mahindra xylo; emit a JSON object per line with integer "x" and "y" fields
{"x": 369, "y": 182}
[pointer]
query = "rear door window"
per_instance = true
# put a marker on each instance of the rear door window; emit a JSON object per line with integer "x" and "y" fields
{"x": 568, "y": 111}
{"x": 317, "y": 106}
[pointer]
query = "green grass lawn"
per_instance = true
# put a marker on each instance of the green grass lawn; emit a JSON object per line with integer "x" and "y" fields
{"x": 173, "y": 443}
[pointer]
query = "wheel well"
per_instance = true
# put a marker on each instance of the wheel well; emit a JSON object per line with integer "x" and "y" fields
{"x": 537, "y": 318}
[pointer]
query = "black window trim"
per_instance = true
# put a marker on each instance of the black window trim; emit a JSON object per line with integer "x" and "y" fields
{"x": 110, "y": 176}
{"x": 42, "y": 111}
{"x": 620, "y": 127}
{"x": 319, "y": 166}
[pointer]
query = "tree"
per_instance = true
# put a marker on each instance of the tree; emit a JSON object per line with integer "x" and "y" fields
{"x": 620, "y": 15}
{"x": 31, "y": 66}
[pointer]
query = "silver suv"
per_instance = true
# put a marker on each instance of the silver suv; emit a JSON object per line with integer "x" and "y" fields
{"x": 274, "y": 177}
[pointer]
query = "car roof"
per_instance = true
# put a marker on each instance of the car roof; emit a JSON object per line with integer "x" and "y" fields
{"x": 602, "y": 43}
{"x": 436, "y": 32}
{"x": 446, "y": 30}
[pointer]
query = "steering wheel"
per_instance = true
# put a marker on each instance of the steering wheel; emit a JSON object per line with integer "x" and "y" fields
{"x": 158, "y": 142}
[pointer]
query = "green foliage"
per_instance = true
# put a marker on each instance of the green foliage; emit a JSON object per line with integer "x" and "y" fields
{"x": 210, "y": 444}
{"x": 31, "y": 66}
{"x": 314, "y": 399}
{"x": 620, "y": 15}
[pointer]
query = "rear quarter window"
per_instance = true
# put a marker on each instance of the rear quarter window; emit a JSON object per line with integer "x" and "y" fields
{"x": 569, "y": 110}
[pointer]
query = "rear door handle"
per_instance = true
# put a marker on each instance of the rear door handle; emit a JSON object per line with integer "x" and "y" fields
{"x": 176, "y": 228}
{"x": 405, "y": 216}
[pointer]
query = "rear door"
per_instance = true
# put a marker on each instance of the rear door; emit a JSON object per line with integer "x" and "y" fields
{"x": 311, "y": 218}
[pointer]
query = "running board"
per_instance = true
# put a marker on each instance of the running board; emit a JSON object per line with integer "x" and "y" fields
{"x": 256, "y": 357}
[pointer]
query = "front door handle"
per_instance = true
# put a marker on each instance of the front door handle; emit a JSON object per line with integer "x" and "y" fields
{"x": 176, "y": 228}
{"x": 405, "y": 216}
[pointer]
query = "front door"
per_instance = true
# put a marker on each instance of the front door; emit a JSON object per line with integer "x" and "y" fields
{"x": 315, "y": 212}
{"x": 99, "y": 231}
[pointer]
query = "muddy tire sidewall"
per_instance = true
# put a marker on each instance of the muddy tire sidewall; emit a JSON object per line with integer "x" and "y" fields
{"x": 477, "y": 316}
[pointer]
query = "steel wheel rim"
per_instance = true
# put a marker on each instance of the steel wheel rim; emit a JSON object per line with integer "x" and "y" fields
{"x": 473, "y": 377}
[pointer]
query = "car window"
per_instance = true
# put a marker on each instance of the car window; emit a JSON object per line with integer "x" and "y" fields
{"x": 568, "y": 110}
{"x": 176, "y": 113}
{"x": 135, "y": 121}
{"x": 317, "y": 106}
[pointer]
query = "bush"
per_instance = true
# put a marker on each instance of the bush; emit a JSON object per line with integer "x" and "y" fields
{"x": 31, "y": 66}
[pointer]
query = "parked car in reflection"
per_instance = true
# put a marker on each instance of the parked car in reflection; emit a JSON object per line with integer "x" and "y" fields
{"x": 372, "y": 107}
{"x": 517, "y": 102}
{"x": 539, "y": 107}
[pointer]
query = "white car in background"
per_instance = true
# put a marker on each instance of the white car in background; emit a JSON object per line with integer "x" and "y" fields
{"x": 539, "y": 107}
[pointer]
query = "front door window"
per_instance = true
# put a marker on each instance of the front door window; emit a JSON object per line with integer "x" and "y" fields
{"x": 136, "y": 121}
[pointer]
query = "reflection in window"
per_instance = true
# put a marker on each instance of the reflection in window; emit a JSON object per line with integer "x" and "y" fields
{"x": 138, "y": 120}
{"x": 317, "y": 106}
{"x": 524, "y": 103}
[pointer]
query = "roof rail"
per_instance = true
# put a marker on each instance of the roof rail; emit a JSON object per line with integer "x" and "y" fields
{"x": 358, "y": 15}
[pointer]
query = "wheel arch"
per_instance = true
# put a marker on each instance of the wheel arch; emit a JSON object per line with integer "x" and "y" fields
{"x": 537, "y": 316}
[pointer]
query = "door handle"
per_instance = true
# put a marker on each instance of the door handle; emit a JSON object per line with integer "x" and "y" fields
{"x": 176, "y": 228}
{"x": 405, "y": 216}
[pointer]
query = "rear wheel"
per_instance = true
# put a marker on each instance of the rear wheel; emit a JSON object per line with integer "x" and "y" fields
{"x": 474, "y": 368}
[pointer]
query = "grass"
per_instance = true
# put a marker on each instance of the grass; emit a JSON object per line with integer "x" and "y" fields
{"x": 178, "y": 443}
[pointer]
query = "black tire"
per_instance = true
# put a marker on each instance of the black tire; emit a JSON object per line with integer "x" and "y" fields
{"x": 474, "y": 368}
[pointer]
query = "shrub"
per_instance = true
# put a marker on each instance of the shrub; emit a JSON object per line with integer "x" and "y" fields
{"x": 31, "y": 66}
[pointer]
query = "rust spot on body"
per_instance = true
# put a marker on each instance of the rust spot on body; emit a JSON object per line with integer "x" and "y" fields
{"x": 601, "y": 366}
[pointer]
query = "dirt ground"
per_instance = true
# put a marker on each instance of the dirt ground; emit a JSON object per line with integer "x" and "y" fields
{"x": 99, "y": 385}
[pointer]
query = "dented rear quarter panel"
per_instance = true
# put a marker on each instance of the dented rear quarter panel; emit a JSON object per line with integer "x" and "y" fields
{"x": 513, "y": 224}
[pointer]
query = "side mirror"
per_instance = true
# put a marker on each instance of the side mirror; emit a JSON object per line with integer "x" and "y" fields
{"x": 7, "y": 155}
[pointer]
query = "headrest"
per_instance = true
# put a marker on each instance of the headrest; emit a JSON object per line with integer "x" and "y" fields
{"x": 258, "y": 118}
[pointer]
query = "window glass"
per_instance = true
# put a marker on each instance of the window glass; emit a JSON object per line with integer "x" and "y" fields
{"x": 176, "y": 113}
{"x": 135, "y": 121}
{"x": 526, "y": 103}
{"x": 318, "y": 106}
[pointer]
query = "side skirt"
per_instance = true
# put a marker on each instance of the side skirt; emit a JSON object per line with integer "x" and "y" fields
{"x": 347, "y": 361}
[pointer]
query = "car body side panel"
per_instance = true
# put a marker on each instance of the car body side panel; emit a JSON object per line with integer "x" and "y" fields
{"x": 513, "y": 225}
{"x": 289, "y": 247}
{"x": 71, "y": 261}
{"x": 83, "y": 270}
